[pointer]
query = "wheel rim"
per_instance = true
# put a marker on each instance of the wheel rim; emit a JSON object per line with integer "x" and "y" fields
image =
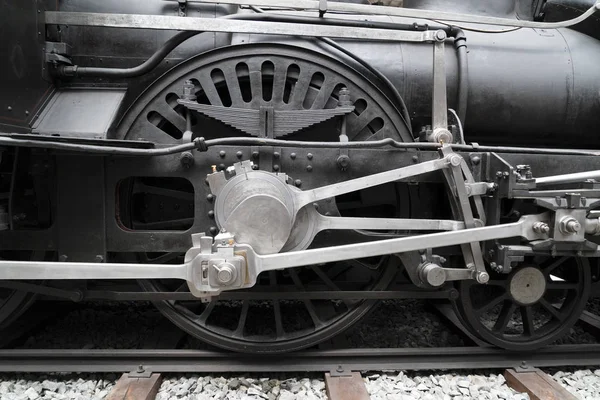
{"x": 284, "y": 77}
{"x": 510, "y": 314}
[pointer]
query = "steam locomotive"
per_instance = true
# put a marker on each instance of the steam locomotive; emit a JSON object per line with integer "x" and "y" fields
{"x": 265, "y": 171}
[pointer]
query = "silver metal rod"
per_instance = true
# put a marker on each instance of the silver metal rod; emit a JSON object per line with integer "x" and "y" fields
{"x": 521, "y": 228}
{"x": 45, "y": 270}
{"x": 336, "y": 189}
{"x": 439, "y": 106}
{"x": 568, "y": 178}
{"x": 388, "y": 224}
{"x": 404, "y": 12}
{"x": 164, "y": 22}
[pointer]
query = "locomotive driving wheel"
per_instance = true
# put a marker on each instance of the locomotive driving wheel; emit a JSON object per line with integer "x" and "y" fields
{"x": 534, "y": 305}
{"x": 284, "y": 78}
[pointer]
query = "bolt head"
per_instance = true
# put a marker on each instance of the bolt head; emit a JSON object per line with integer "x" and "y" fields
{"x": 454, "y": 160}
{"x": 440, "y": 35}
{"x": 483, "y": 277}
{"x": 569, "y": 225}
{"x": 226, "y": 273}
{"x": 187, "y": 159}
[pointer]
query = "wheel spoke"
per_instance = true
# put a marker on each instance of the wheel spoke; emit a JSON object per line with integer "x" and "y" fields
{"x": 239, "y": 331}
{"x": 554, "y": 265}
{"x": 279, "y": 331}
{"x": 562, "y": 286}
{"x": 206, "y": 312}
{"x": 307, "y": 303}
{"x": 552, "y": 310}
{"x": 508, "y": 308}
{"x": 527, "y": 317}
{"x": 491, "y": 303}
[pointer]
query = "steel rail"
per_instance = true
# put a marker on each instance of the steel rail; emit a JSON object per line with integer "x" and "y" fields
{"x": 188, "y": 361}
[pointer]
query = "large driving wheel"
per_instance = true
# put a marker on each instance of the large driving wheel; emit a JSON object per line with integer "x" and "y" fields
{"x": 281, "y": 77}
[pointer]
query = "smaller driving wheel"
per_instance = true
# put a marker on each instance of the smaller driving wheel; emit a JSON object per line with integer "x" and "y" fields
{"x": 534, "y": 305}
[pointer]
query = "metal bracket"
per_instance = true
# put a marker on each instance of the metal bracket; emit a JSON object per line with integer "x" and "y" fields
{"x": 182, "y": 7}
{"x": 57, "y": 53}
{"x": 524, "y": 367}
{"x": 140, "y": 372}
{"x": 322, "y": 7}
{"x": 340, "y": 371}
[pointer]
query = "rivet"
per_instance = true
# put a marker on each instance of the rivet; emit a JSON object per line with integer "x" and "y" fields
{"x": 255, "y": 154}
{"x": 415, "y": 159}
{"x": 210, "y": 197}
{"x": 309, "y": 156}
{"x": 298, "y": 182}
{"x": 475, "y": 160}
{"x": 221, "y": 167}
{"x": 293, "y": 156}
{"x": 239, "y": 154}
{"x": 255, "y": 167}
{"x": 222, "y": 154}
{"x": 276, "y": 155}
{"x": 211, "y": 214}
{"x": 9, "y": 108}
{"x": 309, "y": 168}
{"x": 213, "y": 230}
{"x": 275, "y": 167}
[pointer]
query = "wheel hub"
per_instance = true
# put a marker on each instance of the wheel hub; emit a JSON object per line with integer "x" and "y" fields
{"x": 255, "y": 206}
{"x": 527, "y": 285}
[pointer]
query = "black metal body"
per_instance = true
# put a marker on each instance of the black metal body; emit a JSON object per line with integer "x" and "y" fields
{"x": 536, "y": 88}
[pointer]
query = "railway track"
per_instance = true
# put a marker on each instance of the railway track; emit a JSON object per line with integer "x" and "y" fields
{"x": 340, "y": 360}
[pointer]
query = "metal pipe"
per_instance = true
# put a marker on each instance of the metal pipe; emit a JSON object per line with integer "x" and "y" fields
{"x": 203, "y": 145}
{"x": 145, "y": 67}
{"x": 344, "y": 7}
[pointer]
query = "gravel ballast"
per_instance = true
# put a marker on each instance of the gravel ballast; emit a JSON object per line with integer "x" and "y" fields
{"x": 459, "y": 385}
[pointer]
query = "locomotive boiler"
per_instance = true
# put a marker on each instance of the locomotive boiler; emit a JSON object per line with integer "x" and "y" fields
{"x": 265, "y": 171}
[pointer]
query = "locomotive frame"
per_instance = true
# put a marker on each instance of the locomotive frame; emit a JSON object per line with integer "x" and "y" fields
{"x": 240, "y": 187}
